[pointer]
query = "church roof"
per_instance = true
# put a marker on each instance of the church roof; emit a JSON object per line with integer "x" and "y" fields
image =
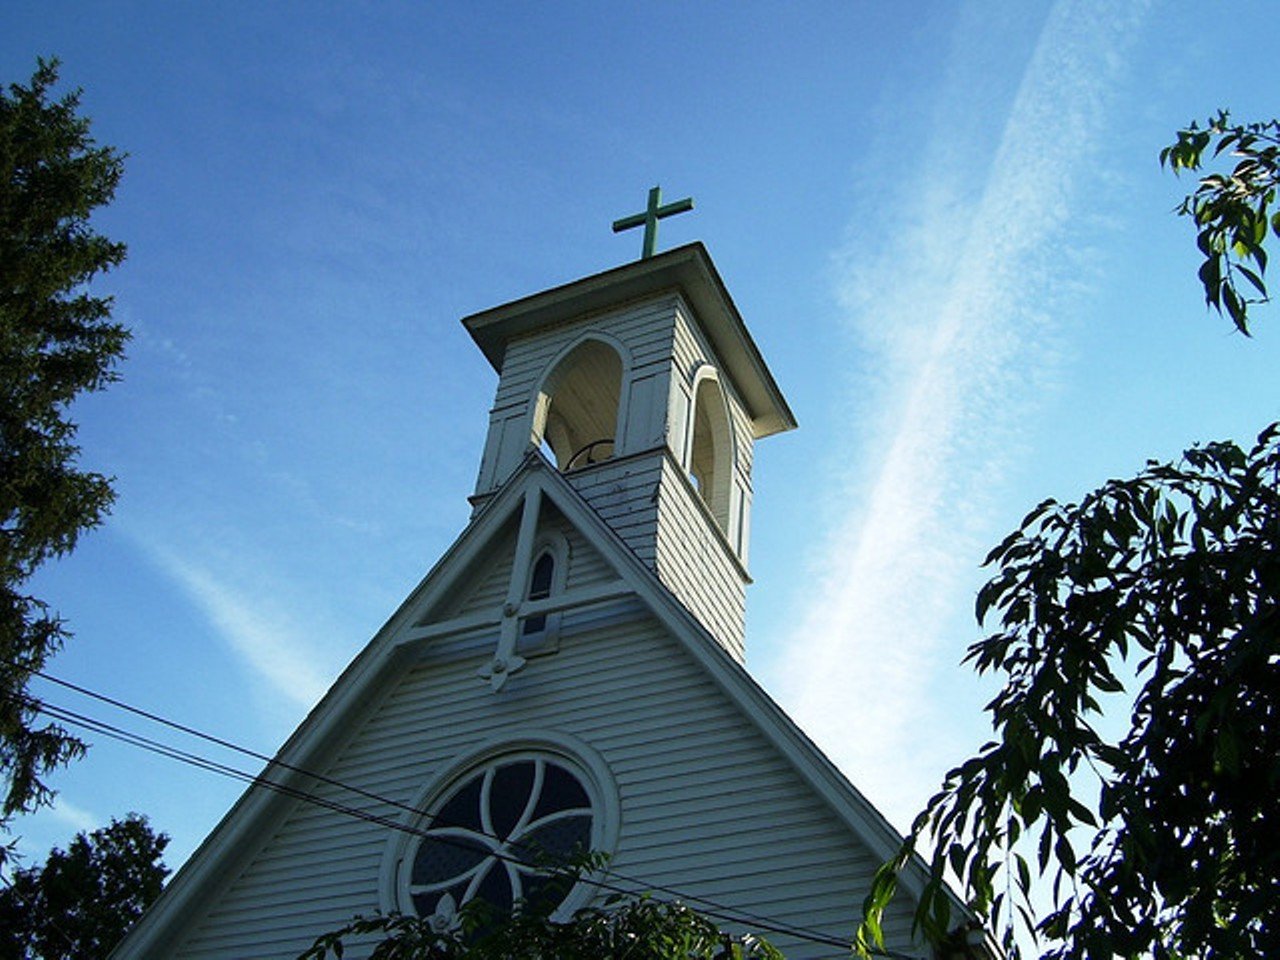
{"x": 406, "y": 639}
{"x": 687, "y": 270}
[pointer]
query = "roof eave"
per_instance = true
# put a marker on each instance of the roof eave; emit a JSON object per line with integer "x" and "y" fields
{"x": 687, "y": 270}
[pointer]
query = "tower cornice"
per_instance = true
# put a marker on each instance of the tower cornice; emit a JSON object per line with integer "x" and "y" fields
{"x": 687, "y": 270}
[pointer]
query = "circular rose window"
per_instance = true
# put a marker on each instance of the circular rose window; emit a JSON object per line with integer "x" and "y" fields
{"x": 493, "y": 833}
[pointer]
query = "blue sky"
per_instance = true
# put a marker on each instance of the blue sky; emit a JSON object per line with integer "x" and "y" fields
{"x": 943, "y": 222}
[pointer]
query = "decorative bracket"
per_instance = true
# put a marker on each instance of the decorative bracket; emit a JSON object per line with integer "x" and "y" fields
{"x": 505, "y": 660}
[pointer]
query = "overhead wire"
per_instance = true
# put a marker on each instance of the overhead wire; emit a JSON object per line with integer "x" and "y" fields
{"x": 641, "y": 886}
{"x": 709, "y": 907}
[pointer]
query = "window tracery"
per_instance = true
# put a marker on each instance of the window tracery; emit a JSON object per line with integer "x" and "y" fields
{"x": 492, "y": 833}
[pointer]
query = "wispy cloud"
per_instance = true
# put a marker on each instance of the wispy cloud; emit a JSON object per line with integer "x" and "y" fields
{"x": 77, "y": 818}
{"x": 35, "y": 834}
{"x": 266, "y": 642}
{"x": 957, "y": 338}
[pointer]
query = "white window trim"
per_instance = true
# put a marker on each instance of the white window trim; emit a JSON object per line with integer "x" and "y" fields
{"x": 724, "y": 470}
{"x": 547, "y": 640}
{"x": 540, "y": 400}
{"x": 586, "y": 763}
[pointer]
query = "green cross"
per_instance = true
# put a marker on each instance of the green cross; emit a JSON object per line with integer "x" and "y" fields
{"x": 654, "y": 212}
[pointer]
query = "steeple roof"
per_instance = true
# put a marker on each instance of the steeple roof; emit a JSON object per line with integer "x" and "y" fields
{"x": 687, "y": 270}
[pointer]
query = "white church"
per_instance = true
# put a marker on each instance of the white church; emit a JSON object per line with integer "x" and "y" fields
{"x": 570, "y": 673}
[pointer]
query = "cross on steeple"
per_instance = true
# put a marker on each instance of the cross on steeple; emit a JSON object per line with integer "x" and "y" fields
{"x": 654, "y": 212}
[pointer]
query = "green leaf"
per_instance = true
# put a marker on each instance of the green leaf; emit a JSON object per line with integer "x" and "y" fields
{"x": 1235, "y": 308}
{"x": 1161, "y": 587}
{"x": 1254, "y": 279}
{"x": 957, "y": 856}
{"x": 1211, "y": 279}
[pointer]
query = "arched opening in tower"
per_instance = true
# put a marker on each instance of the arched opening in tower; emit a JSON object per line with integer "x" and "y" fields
{"x": 577, "y": 414}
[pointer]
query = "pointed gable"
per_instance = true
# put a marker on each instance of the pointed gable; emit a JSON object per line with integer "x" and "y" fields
{"x": 715, "y": 798}
{"x": 569, "y": 671}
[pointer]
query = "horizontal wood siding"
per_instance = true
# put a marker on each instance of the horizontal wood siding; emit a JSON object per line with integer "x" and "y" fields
{"x": 695, "y": 564}
{"x": 623, "y": 493}
{"x": 645, "y": 331}
{"x": 586, "y": 566}
{"x": 743, "y": 434}
{"x": 691, "y": 348}
{"x": 666, "y": 529}
{"x": 486, "y": 588}
{"x": 707, "y": 806}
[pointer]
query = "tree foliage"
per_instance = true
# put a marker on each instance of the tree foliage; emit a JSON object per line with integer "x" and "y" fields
{"x": 1166, "y": 586}
{"x": 1159, "y": 595}
{"x": 56, "y": 341}
{"x": 81, "y": 902}
{"x": 1233, "y": 211}
{"x": 623, "y": 928}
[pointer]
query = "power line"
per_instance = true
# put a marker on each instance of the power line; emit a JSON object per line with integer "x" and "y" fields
{"x": 330, "y": 781}
{"x": 709, "y": 907}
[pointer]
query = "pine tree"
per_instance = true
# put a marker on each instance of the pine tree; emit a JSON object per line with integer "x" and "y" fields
{"x": 56, "y": 342}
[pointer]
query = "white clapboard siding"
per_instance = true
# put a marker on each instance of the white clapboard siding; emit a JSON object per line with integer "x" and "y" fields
{"x": 645, "y": 331}
{"x": 693, "y": 351}
{"x": 694, "y": 561}
{"x": 692, "y": 348}
{"x": 486, "y": 588}
{"x": 644, "y": 494}
{"x": 653, "y": 507}
{"x": 708, "y": 806}
{"x": 622, "y": 492}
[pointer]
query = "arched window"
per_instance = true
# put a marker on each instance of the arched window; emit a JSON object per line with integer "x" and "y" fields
{"x": 540, "y": 580}
{"x": 576, "y": 411}
{"x": 490, "y": 832}
{"x": 547, "y": 574}
{"x": 711, "y": 449}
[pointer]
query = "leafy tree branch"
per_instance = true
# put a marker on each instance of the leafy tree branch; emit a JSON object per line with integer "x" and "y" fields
{"x": 1233, "y": 211}
{"x": 82, "y": 901}
{"x": 624, "y": 928}
{"x": 1165, "y": 587}
{"x": 1159, "y": 596}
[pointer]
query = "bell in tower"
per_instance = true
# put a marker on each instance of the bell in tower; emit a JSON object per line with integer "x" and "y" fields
{"x": 576, "y": 414}
{"x": 643, "y": 387}
{"x": 564, "y": 677}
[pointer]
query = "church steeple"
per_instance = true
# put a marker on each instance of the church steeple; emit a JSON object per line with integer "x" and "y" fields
{"x": 642, "y": 386}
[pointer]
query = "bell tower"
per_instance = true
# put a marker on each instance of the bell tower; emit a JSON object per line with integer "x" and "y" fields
{"x": 643, "y": 387}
